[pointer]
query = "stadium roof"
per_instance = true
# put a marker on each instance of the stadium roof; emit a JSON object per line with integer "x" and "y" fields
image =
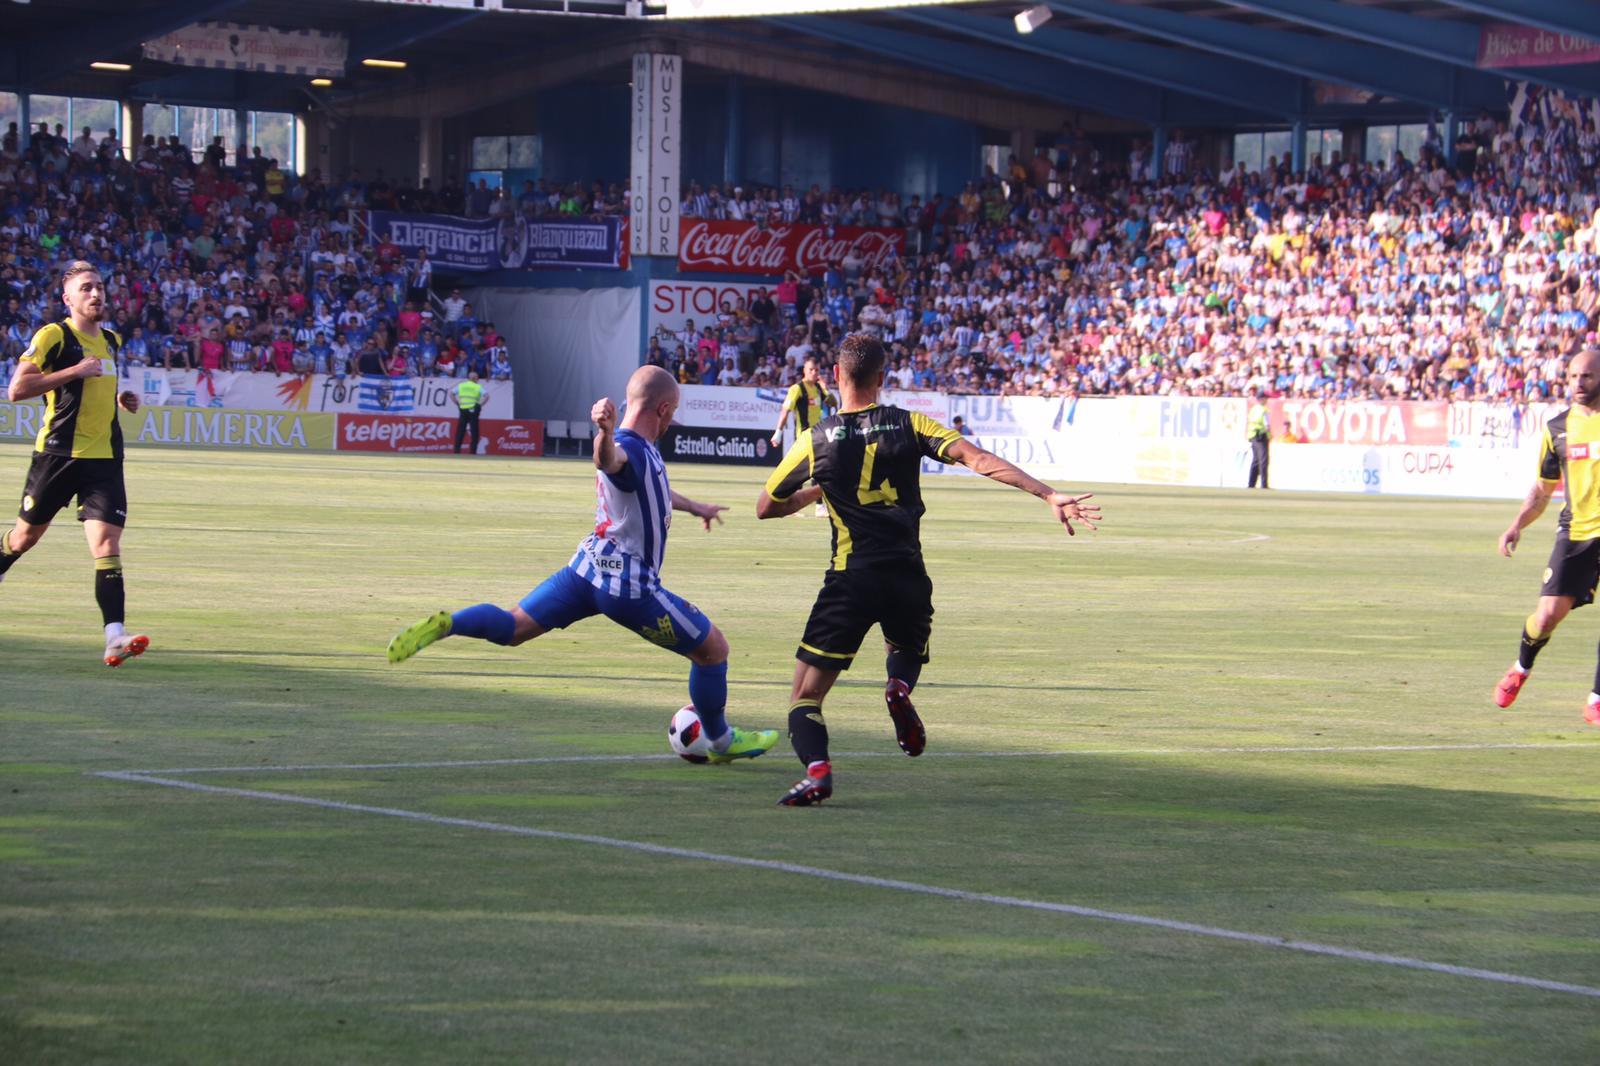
{"x": 1213, "y": 62}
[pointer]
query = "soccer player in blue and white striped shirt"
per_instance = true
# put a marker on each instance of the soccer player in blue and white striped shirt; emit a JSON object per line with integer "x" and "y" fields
{"x": 616, "y": 569}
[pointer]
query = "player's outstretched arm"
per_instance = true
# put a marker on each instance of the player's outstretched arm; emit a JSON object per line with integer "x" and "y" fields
{"x": 703, "y": 511}
{"x": 1066, "y": 508}
{"x": 1533, "y": 506}
{"x": 767, "y": 507}
{"x": 607, "y": 456}
{"x": 783, "y": 420}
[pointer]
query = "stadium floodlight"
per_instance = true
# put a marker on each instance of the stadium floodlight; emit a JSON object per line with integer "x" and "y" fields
{"x": 717, "y": 9}
{"x": 101, "y": 64}
{"x": 386, "y": 64}
{"x": 322, "y": 83}
{"x": 1031, "y": 19}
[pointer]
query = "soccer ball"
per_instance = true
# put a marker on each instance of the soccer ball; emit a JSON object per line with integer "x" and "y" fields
{"x": 687, "y": 735}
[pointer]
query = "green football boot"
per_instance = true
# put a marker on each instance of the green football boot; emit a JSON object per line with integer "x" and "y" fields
{"x": 419, "y": 635}
{"x": 747, "y": 744}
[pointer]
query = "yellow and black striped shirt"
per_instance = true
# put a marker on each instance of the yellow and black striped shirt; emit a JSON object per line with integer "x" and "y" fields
{"x": 806, "y": 401}
{"x": 869, "y": 465}
{"x": 1570, "y": 452}
{"x": 80, "y": 418}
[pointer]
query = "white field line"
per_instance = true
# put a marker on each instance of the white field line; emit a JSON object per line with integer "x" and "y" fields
{"x": 1331, "y": 749}
{"x": 1215, "y": 932}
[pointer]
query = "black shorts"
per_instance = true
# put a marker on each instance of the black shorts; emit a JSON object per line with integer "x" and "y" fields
{"x": 1574, "y": 569}
{"x": 53, "y": 480}
{"x": 897, "y": 597}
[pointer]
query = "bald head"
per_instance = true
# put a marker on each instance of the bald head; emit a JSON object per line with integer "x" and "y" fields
{"x": 649, "y": 386}
{"x": 652, "y": 399}
{"x": 1583, "y": 379}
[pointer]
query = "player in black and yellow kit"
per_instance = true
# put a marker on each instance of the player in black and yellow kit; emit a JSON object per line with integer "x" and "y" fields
{"x": 866, "y": 465}
{"x": 1570, "y": 454}
{"x": 73, "y": 365}
{"x": 810, "y": 401}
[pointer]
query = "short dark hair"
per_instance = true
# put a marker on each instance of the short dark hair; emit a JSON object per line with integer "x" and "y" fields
{"x": 861, "y": 358}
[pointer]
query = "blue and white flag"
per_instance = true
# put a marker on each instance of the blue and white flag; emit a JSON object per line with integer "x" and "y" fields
{"x": 386, "y": 395}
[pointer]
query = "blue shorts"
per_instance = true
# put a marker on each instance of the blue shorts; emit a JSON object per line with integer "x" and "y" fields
{"x": 669, "y": 621}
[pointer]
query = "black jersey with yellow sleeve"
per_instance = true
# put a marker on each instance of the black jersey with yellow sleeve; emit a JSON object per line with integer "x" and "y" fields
{"x": 869, "y": 466}
{"x": 80, "y": 417}
{"x": 806, "y": 400}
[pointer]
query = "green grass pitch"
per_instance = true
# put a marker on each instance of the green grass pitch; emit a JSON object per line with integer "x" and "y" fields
{"x": 1102, "y": 714}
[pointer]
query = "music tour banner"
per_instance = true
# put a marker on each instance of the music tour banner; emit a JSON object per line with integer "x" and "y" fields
{"x": 373, "y": 394}
{"x": 454, "y": 243}
{"x": 708, "y": 245}
{"x": 427, "y": 434}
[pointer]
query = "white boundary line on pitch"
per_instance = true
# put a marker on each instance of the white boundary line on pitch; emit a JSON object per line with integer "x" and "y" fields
{"x": 1079, "y": 753}
{"x": 1215, "y": 932}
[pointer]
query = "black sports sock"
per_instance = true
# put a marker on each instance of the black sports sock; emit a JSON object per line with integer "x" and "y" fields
{"x": 904, "y": 665}
{"x": 7, "y": 556}
{"x": 108, "y": 588}
{"x": 807, "y": 732}
{"x": 1529, "y": 649}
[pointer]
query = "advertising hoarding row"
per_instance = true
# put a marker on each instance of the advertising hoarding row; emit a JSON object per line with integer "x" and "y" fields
{"x": 294, "y": 430}
{"x": 309, "y": 393}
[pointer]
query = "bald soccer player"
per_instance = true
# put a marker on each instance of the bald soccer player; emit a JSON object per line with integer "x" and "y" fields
{"x": 616, "y": 569}
{"x": 1570, "y": 454}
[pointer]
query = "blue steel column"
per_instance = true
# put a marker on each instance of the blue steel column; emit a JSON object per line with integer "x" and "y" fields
{"x": 1158, "y": 150}
{"x": 24, "y": 121}
{"x": 1297, "y": 145}
{"x": 1449, "y": 135}
{"x": 733, "y": 142}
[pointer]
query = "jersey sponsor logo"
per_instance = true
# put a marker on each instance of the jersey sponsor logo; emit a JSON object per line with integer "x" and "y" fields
{"x": 608, "y": 564}
{"x": 27, "y": 503}
{"x": 1582, "y": 451}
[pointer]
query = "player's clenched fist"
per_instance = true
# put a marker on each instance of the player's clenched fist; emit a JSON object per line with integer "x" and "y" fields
{"x": 603, "y": 414}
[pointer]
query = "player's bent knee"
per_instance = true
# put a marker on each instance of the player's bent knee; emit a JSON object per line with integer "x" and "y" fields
{"x": 712, "y": 651}
{"x": 1550, "y": 613}
{"x": 526, "y": 628}
{"x": 24, "y": 536}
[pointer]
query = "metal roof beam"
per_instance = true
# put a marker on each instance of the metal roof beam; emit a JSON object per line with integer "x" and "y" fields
{"x": 1557, "y": 16}
{"x": 1241, "y": 85}
{"x": 1106, "y": 94}
{"x": 106, "y": 38}
{"x": 1450, "y": 42}
{"x": 1379, "y": 70}
{"x": 394, "y": 34}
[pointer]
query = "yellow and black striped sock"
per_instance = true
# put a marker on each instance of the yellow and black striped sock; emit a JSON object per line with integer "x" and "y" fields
{"x": 7, "y": 556}
{"x": 108, "y": 588}
{"x": 1531, "y": 644}
{"x": 807, "y": 731}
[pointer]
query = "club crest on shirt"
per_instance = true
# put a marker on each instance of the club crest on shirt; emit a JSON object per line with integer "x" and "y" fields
{"x": 661, "y": 633}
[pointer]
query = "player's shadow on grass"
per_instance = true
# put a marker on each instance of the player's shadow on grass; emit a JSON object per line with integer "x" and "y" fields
{"x": 510, "y": 666}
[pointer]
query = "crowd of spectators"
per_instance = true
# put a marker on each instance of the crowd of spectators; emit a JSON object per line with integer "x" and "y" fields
{"x": 214, "y": 265}
{"x": 1069, "y": 274}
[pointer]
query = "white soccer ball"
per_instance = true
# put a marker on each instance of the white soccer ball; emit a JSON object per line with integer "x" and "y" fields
{"x": 687, "y": 735}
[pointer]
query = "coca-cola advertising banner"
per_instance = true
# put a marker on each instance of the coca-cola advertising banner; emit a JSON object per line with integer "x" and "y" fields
{"x": 749, "y": 248}
{"x": 1360, "y": 422}
{"x": 420, "y": 433}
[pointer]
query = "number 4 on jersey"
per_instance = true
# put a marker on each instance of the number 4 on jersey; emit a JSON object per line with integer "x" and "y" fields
{"x": 866, "y": 494}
